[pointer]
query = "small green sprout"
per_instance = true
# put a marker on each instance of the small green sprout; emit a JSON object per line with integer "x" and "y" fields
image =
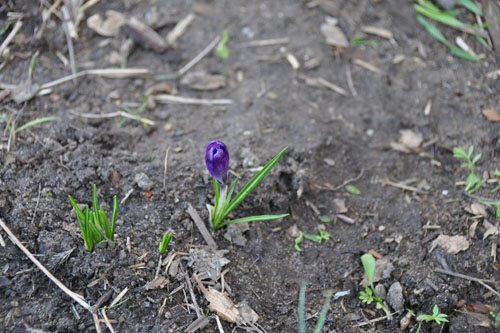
{"x": 94, "y": 224}
{"x": 360, "y": 40}
{"x": 165, "y": 240}
{"x": 323, "y": 235}
{"x": 302, "y": 307}
{"x": 221, "y": 49}
{"x": 436, "y": 317}
{"x": 325, "y": 219}
{"x": 298, "y": 240}
{"x": 369, "y": 295}
{"x": 352, "y": 189}
{"x": 473, "y": 181}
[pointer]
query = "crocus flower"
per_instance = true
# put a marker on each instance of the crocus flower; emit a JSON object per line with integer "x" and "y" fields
{"x": 217, "y": 160}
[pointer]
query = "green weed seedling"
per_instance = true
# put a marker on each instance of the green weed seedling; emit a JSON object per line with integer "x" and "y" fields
{"x": 165, "y": 240}
{"x": 436, "y": 317}
{"x": 302, "y": 310}
{"x": 221, "y": 49}
{"x": 323, "y": 235}
{"x": 94, "y": 224}
{"x": 473, "y": 181}
{"x": 369, "y": 295}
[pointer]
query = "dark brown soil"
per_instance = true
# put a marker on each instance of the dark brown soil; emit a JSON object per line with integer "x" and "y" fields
{"x": 331, "y": 138}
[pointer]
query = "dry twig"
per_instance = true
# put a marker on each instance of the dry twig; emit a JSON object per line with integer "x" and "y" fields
{"x": 200, "y": 56}
{"x": 201, "y": 226}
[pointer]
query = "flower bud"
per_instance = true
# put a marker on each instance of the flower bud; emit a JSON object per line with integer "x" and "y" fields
{"x": 217, "y": 160}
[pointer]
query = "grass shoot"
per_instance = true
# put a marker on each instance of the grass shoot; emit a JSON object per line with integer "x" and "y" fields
{"x": 165, "y": 240}
{"x": 473, "y": 182}
{"x": 95, "y": 225}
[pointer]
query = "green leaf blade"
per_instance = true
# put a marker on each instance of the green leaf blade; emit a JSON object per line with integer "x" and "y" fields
{"x": 252, "y": 184}
{"x": 369, "y": 265}
{"x": 256, "y": 218}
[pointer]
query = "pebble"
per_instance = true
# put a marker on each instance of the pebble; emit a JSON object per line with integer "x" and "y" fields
{"x": 380, "y": 291}
{"x": 395, "y": 297}
{"x": 143, "y": 181}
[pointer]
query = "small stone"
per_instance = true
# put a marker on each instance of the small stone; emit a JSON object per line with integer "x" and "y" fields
{"x": 395, "y": 297}
{"x": 380, "y": 291}
{"x": 143, "y": 181}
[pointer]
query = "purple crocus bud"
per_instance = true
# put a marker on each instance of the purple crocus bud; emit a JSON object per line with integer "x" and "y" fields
{"x": 217, "y": 160}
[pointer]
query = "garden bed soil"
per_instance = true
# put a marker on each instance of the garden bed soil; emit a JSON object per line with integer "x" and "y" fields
{"x": 406, "y": 200}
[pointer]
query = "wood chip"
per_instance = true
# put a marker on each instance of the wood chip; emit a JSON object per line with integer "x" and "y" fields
{"x": 179, "y": 29}
{"x": 201, "y": 80}
{"x": 492, "y": 115}
{"x": 201, "y": 226}
{"x": 334, "y": 35}
{"x": 380, "y": 32}
{"x": 220, "y": 303}
{"x": 293, "y": 61}
{"x": 108, "y": 27}
{"x": 144, "y": 35}
{"x": 366, "y": 65}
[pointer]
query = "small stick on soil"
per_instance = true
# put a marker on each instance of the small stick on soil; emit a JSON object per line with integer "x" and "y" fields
{"x": 350, "y": 83}
{"x": 79, "y": 299}
{"x": 266, "y": 42}
{"x": 165, "y": 98}
{"x": 200, "y": 56}
{"x": 193, "y": 297}
{"x": 112, "y": 73}
{"x": 12, "y": 34}
{"x": 370, "y": 322}
{"x": 37, "y": 202}
{"x": 343, "y": 184}
{"x": 345, "y": 219}
{"x": 116, "y": 114}
{"x": 66, "y": 28}
{"x": 470, "y": 278}
{"x": 366, "y": 65}
{"x": 402, "y": 186}
{"x": 201, "y": 226}
{"x": 179, "y": 29}
{"x": 219, "y": 325}
{"x": 125, "y": 199}
{"x": 165, "y": 167}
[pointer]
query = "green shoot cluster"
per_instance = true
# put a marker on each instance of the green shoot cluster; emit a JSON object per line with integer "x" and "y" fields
{"x": 94, "y": 224}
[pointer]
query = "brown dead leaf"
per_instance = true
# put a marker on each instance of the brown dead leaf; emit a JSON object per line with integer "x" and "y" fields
{"x": 334, "y": 35}
{"x": 492, "y": 115}
{"x": 477, "y": 319}
{"x": 25, "y": 91}
{"x": 248, "y": 315}
{"x": 477, "y": 209}
{"x": 451, "y": 244}
{"x": 491, "y": 229}
{"x": 108, "y": 27}
{"x": 340, "y": 207}
{"x": 156, "y": 283}
{"x": 203, "y": 81}
{"x": 220, "y": 303}
{"x": 383, "y": 270}
{"x": 408, "y": 141}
